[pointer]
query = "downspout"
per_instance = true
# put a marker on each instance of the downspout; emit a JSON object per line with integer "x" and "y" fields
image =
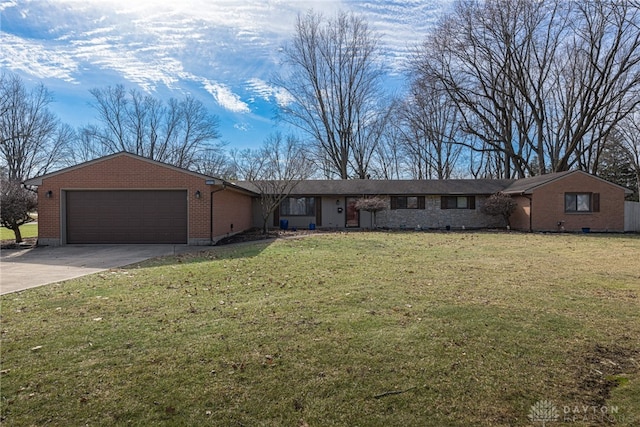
{"x": 224, "y": 187}
{"x": 530, "y": 212}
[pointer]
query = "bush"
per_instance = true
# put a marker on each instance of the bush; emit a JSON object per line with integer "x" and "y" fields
{"x": 371, "y": 204}
{"x": 500, "y": 204}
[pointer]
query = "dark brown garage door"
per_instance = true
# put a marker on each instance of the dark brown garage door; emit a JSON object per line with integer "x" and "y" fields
{"x": 126, "y": 216}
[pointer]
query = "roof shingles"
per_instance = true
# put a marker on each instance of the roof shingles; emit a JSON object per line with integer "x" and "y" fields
{"x": 371, "y": 187}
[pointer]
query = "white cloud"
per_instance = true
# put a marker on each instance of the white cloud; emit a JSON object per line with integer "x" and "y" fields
{"x": 140, "y": 64}
{"x": 226, "y": 47}
{"x": 402, "y": 25}
{"x": 225, "y": 97}
{"x": 283, "y": 97}
{"x": 243, "y": 127}
{"x": 32, "y": 57}
{"x": 152, "y": 42}
{"x": 261, "y": 16}
{"x": 261, "y": 88}
{"x": 7, "y": 4}
{"x": 268, "y": 92}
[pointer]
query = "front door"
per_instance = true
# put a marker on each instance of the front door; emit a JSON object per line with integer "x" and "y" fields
{"x": 353, "y": 216}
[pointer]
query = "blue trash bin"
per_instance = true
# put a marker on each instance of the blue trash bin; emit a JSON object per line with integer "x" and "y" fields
{"x": 312, "y": 226}
{"x": 284, "y": 224}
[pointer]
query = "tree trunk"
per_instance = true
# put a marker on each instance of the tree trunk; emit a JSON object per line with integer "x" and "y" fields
{"x": 16, "y": 231}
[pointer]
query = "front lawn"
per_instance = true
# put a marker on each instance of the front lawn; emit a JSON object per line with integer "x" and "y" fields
{"x": 347, "y": 329}
{"x": 27, "y": 230}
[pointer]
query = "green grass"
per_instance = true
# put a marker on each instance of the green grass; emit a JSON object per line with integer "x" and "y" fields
{"x": 360, "y": 329}
{"x": 27, "y": 230}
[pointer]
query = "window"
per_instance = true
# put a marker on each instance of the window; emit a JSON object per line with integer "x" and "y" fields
{"x": 582, "y": 202}
{"x": 458, "y": 202}
{"x": 407, "y": 202}
{"x": 298, "y": 206}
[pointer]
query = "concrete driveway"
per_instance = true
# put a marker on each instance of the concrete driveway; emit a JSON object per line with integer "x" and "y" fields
{"x": 28, "y": 268}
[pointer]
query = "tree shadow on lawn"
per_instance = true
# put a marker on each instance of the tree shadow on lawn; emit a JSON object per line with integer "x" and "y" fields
{"x": 27, "y": 243}
{"x": 247, "y": 244}
{"x": 252, "y": 242}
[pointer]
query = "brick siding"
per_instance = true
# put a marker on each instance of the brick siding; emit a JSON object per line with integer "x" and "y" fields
{"x": 233, "y": 211}
{"x": 122, "y": 172}
{"x": 548, "y": 213}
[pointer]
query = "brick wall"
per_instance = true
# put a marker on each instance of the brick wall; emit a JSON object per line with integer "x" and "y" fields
{"x": 548, "y": 205}
{"x": 232, "y": 213}
{"x": 547, "y": 211}
{"x": 131, "y": 173}
{"x": 520, "y": 217}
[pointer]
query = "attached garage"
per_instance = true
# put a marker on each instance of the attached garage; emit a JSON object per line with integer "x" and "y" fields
{"x": 126, "y": 216}
{"x": 126, "y": 198}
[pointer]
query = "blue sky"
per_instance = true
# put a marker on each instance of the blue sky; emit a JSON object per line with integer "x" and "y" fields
{"x": 222, "y": 52}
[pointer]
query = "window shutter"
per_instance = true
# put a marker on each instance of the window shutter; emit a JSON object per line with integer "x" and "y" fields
{"x": 394, "y": 202}
{"x": 276, "y": 217}
{"x": 443, "y": 202}
{"x": 421, "y": 204}
{"x": 319, "y": 211}
{"x": 595, "y": 202}
{"x": 471, "y": 202}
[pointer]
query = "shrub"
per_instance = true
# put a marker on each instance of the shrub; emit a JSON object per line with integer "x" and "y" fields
{"x": 500, "y": 204}
{"x": 371, "y": 204}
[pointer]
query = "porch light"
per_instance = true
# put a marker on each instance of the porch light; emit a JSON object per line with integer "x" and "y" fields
{"x": 198, "y": 194}
{"x": 49, "y": 194}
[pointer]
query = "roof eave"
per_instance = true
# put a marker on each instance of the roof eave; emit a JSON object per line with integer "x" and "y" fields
{"x": 38, "y": 180}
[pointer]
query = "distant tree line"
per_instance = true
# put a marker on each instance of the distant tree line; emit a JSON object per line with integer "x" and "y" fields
{"x": 495, "y": 89}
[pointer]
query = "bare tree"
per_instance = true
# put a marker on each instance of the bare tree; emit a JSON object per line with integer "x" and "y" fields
{"x": 32, "y": 142}
{"x": 430, "y": 131}
{"x": 539, "y": 86}
{"x": 274, "y": 169}
{"x": 247, "y": 164}
{"x": 487, "y": 57}
{"x": 333, "y": 77}
{"x": 628, "y": 139}
{"x": 178, "y": 132}
{"x": 215, "y": 162}
{"x": 599, "y": 77}
{"x": 85, "y": 147}
{"x": 389, "y": 157}
{"x": 32, "y": 139}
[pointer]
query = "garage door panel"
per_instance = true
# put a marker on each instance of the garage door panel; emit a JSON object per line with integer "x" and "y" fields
{"x": 126, "y": 216}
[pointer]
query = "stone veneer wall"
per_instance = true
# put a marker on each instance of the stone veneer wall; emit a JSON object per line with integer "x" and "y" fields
{"x": 435, "y": 217}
